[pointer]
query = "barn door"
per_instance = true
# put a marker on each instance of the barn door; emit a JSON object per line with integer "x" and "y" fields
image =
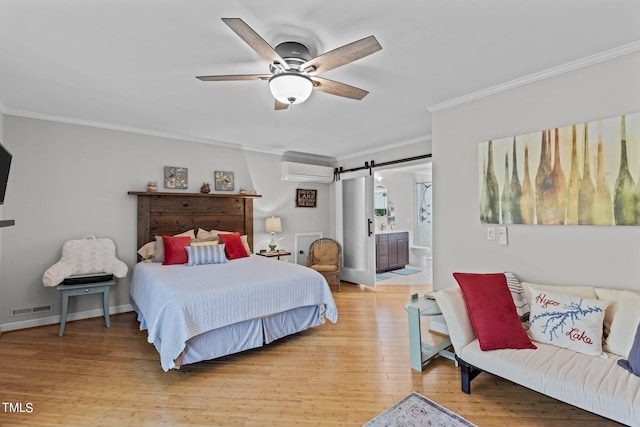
{"x": 355, "y": 227}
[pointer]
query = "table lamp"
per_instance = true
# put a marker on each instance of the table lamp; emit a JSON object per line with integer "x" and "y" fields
{"x": 273, "y": 225}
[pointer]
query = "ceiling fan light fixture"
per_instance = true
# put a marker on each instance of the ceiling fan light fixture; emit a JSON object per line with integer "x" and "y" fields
{"x": 290, "y": 88}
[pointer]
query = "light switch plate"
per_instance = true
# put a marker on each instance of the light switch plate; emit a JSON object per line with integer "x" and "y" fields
{"x": 491, "y": 233}
{"x": 503, "y": 239}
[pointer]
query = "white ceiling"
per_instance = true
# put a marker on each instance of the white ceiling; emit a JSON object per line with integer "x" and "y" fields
{"x": 131, "y": 65}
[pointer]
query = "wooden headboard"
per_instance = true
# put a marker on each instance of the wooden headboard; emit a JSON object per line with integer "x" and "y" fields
{"x": 172, "y": 213}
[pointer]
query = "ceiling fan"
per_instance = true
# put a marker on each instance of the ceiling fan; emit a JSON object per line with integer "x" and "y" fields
{"x": 293, "y": 73}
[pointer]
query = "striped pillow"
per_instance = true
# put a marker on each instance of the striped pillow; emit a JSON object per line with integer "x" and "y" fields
{"x": 517, "y": 292}
{"x": 211, "y": 254}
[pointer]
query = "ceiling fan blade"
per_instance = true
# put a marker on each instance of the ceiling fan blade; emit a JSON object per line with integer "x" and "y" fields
{"x": 342, "y": 55}
{"x": 254, "y": 40}
{"x": 281, "y": 105}
{"x": 337, "y": 88}
{"x": 232, "y": 77}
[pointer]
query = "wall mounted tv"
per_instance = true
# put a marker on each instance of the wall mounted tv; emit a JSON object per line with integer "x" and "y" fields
{"x": 5, "y": 163}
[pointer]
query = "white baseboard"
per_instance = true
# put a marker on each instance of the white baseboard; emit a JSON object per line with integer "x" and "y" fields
{"x": 32, "y": 323}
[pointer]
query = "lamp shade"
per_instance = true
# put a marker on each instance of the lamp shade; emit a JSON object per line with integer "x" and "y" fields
{"x": 290, "y": 88}
{"x": 273, "y": 225}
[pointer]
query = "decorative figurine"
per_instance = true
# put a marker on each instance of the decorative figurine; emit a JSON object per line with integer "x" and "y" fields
{"x": 152, "y": 186}
{"x": 205, "y": 189}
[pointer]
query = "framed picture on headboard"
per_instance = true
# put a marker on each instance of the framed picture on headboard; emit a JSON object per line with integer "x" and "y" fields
{"x": 306, "y": 198}
{"x": 176, "y": 177}
{"x": 224, "y": 180}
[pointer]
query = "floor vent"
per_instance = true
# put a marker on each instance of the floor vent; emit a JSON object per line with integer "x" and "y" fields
{"x": 31, "y": 310}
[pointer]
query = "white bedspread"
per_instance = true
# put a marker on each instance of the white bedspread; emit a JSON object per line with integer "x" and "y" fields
{"x": 178, "y": 302}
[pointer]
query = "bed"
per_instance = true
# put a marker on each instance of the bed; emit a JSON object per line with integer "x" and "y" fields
{"x": 202, "y": 312}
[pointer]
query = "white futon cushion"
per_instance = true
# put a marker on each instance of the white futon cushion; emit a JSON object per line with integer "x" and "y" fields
{"x": 596, "y": 384}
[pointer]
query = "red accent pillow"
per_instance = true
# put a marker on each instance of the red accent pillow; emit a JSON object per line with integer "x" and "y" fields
{"x": 492, "y": 311}
{"x": 233, "y": 246}
{"x": 174, "y": 252}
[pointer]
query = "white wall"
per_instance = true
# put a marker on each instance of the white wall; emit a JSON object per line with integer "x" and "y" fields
{"x": 592, "y": 255}
{"x": 68, "y": 181}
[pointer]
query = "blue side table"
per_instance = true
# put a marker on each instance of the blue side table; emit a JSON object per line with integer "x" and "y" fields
{"x": 421, "y": 353}
{"x": 85, "y": 289}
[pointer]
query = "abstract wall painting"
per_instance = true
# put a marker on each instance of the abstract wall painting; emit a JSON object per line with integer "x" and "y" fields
{"x": 586, "y": 174}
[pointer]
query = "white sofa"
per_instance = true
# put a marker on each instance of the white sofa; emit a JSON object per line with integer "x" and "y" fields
{"x": 593, "y": 383}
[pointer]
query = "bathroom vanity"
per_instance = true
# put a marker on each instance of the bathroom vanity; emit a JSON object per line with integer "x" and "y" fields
{"x": 392, "y": 250}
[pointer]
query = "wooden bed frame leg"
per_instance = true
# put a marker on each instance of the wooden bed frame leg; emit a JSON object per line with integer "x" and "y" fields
{"x": 467, "y": 374}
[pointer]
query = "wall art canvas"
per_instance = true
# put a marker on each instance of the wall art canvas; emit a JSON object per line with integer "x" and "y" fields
{"x": 306, "y": 198}
{"x": 224, "y": 181}
{"x": 176, "y": 177}
{"x": 586, "y": 173}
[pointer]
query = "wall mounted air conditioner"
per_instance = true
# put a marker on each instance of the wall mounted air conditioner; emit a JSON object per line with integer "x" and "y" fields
{"x": 302, "y": 172}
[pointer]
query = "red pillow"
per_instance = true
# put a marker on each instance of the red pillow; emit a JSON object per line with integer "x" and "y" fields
{"x": 233, "y": 245}
{"x": 174, "y": 252}
{"x": 492, "y": 311}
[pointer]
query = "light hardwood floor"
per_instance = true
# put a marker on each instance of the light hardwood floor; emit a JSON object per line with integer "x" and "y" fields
{"x": 340, "y": 374}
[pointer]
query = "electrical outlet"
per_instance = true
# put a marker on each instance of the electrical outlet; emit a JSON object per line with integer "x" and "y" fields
{"x": 502, "y": 236}
{"x": 491, "y": 233}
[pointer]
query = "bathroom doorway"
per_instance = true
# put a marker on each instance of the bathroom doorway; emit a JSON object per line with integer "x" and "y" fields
{"x": 409, "y": 190}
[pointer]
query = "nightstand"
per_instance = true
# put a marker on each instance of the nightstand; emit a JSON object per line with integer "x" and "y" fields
{"x": 421, "y": 353}
{"x": 276, "y": 254}
{"x": 85, "y": 289}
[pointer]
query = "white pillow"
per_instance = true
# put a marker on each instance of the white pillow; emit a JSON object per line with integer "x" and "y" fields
{"x": 609, "y": 295}
{"x": 582, "y": 291}
{"x": 147, "y": 251}
{"x": 567, "y": 321}
{"x": 245, "y": 243}
{"x": 204, "y": 234}
{"x": 624, "y": 325}
{"x": 205, "y": 243}
{"x": 85, "y": 256}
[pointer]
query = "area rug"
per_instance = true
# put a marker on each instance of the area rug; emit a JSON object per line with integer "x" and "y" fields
{"x": 382, "y": 277}
{"x": 406, "y": 271}
{"x": 415, "y": 410}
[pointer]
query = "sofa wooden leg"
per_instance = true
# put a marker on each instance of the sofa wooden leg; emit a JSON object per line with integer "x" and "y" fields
{"x": 467, "y": 374}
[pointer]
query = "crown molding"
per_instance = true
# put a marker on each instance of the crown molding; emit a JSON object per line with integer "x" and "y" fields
{"x": 425, "y": 138}
{"x": 148, "y": 132}
{"x": 542, "y": 75}
{"x": 129, "y": 129}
